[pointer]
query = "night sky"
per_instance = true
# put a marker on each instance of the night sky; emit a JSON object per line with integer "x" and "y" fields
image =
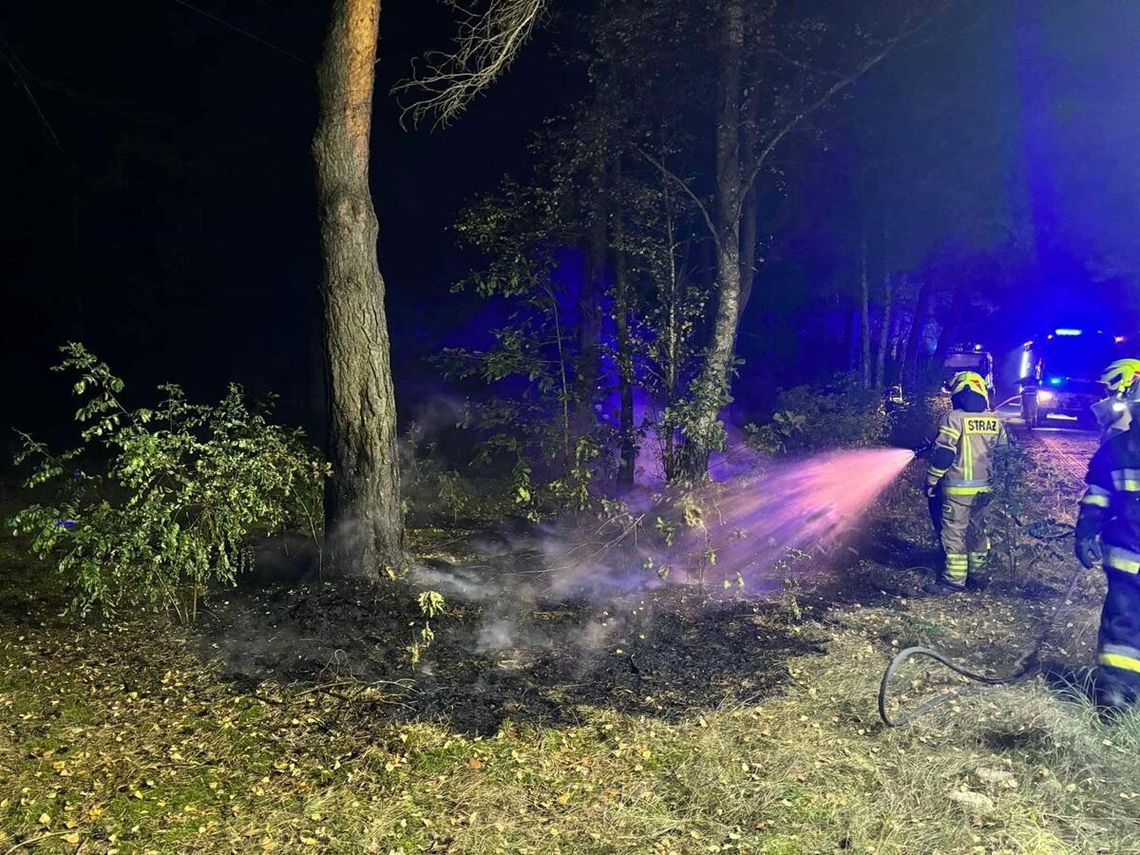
{"x": 159, "y": 202}
{"x": 167, "y": 217}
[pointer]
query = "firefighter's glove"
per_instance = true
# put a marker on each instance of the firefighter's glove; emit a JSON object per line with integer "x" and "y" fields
{"x": 932, "y": 491}
{"x": 1089, "y": 552}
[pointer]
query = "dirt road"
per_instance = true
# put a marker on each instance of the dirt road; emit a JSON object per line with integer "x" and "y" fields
{"x": 1068, "y": 451}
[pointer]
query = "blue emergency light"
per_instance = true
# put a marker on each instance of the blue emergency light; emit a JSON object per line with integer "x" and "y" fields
{"x": 1064, "y": 331}
{"x": 1056, "y": 381}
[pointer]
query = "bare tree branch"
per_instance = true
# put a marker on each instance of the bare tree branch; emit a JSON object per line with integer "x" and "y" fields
{"x": 684, "y": 185}
{"x": 485, "y": 47}
{"x": 838, "y": 86}
{"x": 20, "y": 72}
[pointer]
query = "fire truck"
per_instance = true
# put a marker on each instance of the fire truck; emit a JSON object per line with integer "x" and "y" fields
{"x": 1059, "y": 374}
{"x": 969, "y": 357}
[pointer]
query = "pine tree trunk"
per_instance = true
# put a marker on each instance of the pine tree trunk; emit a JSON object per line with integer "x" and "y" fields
{"x": 363, "y": 512}
{"x": 884, "y": 334}
{"x": 711, "y": 390}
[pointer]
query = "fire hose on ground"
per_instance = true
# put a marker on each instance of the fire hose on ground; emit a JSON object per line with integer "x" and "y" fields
{"x": 1025, "y": 669}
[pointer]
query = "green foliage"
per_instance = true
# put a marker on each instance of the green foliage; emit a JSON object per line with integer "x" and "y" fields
{"x": 185, "y": 488}
{"x": 431, "y": 605}
{"x": 1016, "y": 501}
{"x": 810, "y": 418}
{"x": 516, "y": 230}
{"x": 435, "y": 492}
{"x": 572, "y": 490}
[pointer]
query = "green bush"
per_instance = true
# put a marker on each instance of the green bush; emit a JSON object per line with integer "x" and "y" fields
{"x": 185, "y": 487}
{"x": 840, "y": 414}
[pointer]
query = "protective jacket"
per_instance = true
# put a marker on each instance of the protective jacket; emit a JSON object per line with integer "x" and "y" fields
{"x": 1110, "y": 509}
{"x": 1110, "y": 506}
{"x": 962, "y": 459}
{"x": 961, "y": 466}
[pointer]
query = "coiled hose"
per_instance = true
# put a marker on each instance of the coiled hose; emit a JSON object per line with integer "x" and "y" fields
{"x": 1024, "y": 670}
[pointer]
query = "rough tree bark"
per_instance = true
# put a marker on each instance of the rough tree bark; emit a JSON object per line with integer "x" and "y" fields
{"x": 363, "y": 511}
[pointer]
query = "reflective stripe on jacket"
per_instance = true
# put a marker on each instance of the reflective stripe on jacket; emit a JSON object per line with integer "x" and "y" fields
{"x": 1111, "y": 504}
{"x": 963, "y": 452}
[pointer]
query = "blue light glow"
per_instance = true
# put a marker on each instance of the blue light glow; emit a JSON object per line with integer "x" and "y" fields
{"x": 1064, "y": 331}
{"x": 1056, "y": 381}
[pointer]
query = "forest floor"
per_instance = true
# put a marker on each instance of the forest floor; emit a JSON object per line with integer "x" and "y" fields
{"x": 288, "y": 718}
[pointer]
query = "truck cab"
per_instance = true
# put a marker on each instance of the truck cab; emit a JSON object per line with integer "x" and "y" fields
{"x": 1060, "y": 375}
{"x": 969, "y": 357}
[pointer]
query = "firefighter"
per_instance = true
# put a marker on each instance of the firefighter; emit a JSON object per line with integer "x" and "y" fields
{"x": 1112, "y": 413}
{"x": 959, "y": 478}
{"x": 1108, "y": 530}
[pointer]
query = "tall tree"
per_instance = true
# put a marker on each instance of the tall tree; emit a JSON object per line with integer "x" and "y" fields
{"x": 796, "y": 91}
{"x": 712, "y": 385}
{"x": 363, "y": 509}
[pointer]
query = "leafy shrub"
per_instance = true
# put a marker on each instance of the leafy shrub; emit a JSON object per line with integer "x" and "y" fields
{"x": 185, "y": 488}
{"x": 1017, "y": 501}
{"x": 815, "y": 418}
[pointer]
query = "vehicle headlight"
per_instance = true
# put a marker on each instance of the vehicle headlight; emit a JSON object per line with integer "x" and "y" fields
{"x": 1045, "y": 395}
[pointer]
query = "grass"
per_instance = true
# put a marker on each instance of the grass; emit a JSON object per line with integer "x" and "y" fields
{"x": 118, "y": 739}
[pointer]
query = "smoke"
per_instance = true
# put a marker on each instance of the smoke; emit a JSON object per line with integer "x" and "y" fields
{"x": 460, "y": 582}
{"x": 755, "y": 525}
{"x": 498, "y": 634}
{"x": 747, "y": 528}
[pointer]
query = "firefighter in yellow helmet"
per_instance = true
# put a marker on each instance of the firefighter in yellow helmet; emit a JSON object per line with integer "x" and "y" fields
{"x": 1113, "y": 413}
{"x": 959, "y": 477}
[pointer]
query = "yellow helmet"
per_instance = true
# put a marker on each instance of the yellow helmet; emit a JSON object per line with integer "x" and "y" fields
{"x": 969, "y": 380}
{"x": 1120, "y": 375}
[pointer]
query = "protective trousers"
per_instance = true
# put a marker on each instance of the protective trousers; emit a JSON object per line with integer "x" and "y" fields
{"x": 1118, "y": 680}
{"x": 963, "y": 535}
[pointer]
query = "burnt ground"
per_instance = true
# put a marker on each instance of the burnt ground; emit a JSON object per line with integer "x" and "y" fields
{"x": 660, "y": 654}
{"x": 507, "y": 649}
